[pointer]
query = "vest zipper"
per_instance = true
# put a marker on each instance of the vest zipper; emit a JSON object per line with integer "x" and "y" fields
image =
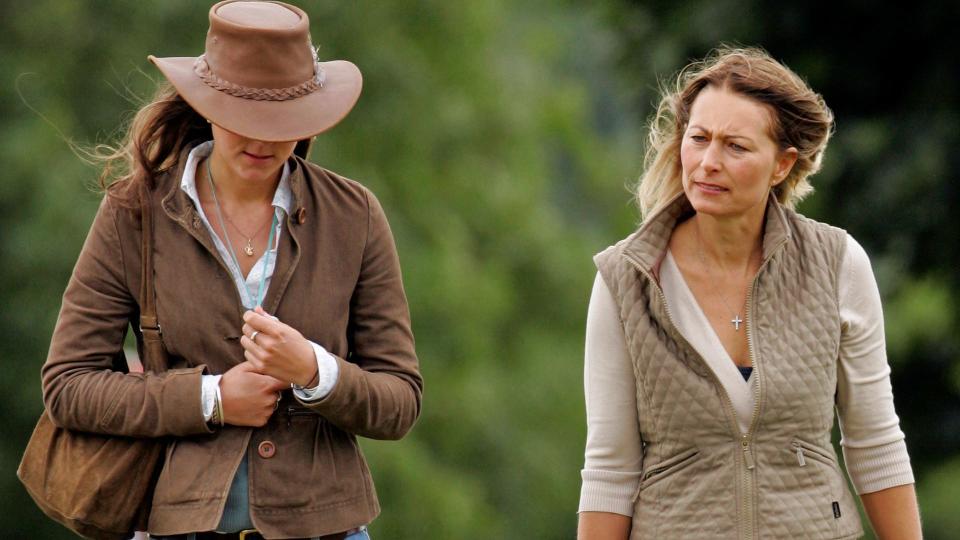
{"x": 746, "y": 520}
{"x": 749, "y": 523}
{"x": 746, "y": 524}
{"x": 747, "y": 453}
{"x": 749, "y": 513}
{"x": 746, "y": 484}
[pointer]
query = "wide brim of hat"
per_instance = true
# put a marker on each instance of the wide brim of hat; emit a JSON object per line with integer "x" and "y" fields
{"x": 274, "y": 121}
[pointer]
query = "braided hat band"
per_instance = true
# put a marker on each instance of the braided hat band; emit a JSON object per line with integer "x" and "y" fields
{"x": 202, "y": 69}
{"x": 259, "y": 75}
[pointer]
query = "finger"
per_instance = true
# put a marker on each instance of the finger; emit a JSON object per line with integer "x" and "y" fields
{"x": 256, "y": 321}
{"x": 270, "y": 384}
{"x": 255, "y": 335}
{"x": 267, "y": 345}
{"x": 243, "y": 366}
{"x": 256, "y": 364}
{"x": 276, "y": 385}
{"x": 263, "y": 322}
{"x": 260, "y": 316}
{"x": 247, "y": 343}
{"x": 261, "y": 311}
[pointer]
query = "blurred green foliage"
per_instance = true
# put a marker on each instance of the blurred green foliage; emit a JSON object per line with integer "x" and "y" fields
{"x": 501, "y": 137}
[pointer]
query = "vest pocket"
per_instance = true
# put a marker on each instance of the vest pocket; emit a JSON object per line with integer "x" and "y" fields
{"x": 805, "y": 450}
{"x": 832, "y": 505}
{"x": 667, "y": 468}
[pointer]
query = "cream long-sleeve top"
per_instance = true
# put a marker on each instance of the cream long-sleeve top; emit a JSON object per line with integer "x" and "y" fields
{"x": 873, "y": 445}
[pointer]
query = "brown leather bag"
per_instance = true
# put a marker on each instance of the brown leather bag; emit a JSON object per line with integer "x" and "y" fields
{"x": 100, "y": 486}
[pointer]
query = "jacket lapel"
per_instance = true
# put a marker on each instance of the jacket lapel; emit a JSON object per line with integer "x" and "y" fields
{"x": 288, "y": 253}
{"x": 178, "y": 207}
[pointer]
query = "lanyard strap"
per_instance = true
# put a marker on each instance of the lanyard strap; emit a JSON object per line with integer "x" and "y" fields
{"x": 226, "y": 236}
{"x": 266, "y": 260}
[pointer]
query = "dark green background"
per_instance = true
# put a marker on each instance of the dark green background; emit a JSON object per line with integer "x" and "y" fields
{"x": 501, "y": 137}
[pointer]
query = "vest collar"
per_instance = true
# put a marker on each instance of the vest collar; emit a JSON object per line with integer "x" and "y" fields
{"x": 648, "y": 246}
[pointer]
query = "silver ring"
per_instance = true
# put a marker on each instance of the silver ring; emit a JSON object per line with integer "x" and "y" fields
{"x": 253, "y": 336}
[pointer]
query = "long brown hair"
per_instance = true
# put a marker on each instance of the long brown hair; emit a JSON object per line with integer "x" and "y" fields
{"x": 152, "y": 144}
{"x": 799, "y": 118}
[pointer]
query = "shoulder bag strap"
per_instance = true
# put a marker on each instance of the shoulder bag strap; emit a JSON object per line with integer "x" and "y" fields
{"x": 153, "y": 351}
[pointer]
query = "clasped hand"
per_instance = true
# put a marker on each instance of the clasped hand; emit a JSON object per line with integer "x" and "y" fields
{"x": 276, "y": 355}
{"x": 277, "y": 349}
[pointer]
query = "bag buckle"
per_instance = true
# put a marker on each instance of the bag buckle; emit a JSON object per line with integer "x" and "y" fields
{"x": 150, "y": 324}
{"x": 244, "y": 534}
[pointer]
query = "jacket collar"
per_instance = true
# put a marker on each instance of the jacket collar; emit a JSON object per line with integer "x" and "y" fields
{"x": 179, "y": 208}
{"x": 178, "y": 205}
{"x": 648, "y": 246}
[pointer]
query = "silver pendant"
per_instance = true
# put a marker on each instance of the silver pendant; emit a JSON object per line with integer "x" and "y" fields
{"x": 736, "y": 322}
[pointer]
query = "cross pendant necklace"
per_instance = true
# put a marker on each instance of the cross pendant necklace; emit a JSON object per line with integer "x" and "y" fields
{"x": 736, "y": 321}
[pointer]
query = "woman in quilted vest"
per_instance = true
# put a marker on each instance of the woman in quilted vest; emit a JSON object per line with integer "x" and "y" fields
{"x": 279, "y": 299}
{"x": 728, "y": 333}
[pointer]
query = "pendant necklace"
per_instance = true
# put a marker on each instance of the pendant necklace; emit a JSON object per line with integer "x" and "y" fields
{"x": 736, "y": 321}
{"x": 248, "y": 248}
{"x": 273, "y": 228}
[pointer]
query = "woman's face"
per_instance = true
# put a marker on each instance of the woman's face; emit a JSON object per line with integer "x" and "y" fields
{"x": 249, "y": 159}
{"x": 728, "y": 158}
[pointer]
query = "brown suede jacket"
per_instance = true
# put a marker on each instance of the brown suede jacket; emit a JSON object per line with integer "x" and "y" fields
{"x": 337, "y": 280}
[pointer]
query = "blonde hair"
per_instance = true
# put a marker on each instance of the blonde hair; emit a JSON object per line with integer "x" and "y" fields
{"x": 799, "y": 119}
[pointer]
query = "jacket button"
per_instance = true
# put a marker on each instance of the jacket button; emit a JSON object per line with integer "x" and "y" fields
{"x": 301, "y": 216}
{"x": 267, "y": 449}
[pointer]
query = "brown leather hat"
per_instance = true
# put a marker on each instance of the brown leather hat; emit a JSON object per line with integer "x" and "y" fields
{"x": 259, "y": 76}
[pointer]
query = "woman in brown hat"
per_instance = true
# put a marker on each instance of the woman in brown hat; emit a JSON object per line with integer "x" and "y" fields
{"x": 278, "y": 295}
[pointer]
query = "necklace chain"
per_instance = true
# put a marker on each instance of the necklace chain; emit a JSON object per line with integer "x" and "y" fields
{"x": 736, "y": 321}
{"x": 248, "y": 247}
{"x": 226, "y": 236}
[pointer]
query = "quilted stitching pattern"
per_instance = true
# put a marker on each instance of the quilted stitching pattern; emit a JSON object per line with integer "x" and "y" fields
{"x": 682, "y": 409}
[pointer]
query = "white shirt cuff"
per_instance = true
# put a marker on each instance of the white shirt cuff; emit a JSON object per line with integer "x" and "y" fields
{"x": 208, "y": 394}
{"x": 327, "y": 370}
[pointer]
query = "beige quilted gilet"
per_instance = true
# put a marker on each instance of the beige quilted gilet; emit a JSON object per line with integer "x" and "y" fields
{"x": 702, "y": 477}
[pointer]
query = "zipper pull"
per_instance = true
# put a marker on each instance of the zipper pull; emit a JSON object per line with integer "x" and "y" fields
{"x": 800, "y": 460}
{"x": 747, "y": 454}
